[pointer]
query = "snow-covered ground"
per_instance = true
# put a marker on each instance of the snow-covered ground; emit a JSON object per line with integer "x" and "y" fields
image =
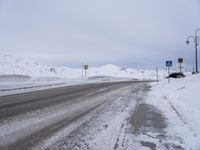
{"x": 177, "y": 103}
{"x": 10, "y": 65}
{"x": 20, "y": 74}
{"x": 180, "y": 102}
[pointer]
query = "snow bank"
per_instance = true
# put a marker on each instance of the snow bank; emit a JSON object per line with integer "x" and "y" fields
{"x": 182, "y": 95}
{"x": 115, "y": 71}
{"x": 14, "y": 78}
{"x": 10, "y": 65}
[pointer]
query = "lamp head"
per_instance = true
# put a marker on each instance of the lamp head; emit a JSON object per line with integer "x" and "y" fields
{"x": 187, "y": 42}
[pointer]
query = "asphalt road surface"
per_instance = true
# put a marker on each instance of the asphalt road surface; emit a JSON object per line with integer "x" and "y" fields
{"x": 99, "y": 116}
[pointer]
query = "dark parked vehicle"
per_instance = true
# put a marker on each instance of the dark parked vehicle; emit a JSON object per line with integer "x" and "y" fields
{"x": 176, "y": 75}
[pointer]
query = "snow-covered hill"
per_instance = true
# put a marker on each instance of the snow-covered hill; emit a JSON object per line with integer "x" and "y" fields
{"x": 115, "y": 71}
{"x": 10, "y": 65}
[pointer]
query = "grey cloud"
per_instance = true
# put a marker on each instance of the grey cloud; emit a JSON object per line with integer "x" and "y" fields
{"x": 137, "y": 33}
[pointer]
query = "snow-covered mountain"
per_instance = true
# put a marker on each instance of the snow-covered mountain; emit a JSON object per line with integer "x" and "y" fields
{"x": 10, "y": 65}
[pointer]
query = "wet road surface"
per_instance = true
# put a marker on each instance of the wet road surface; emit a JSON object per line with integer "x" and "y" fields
{"x": 91, "y": 117}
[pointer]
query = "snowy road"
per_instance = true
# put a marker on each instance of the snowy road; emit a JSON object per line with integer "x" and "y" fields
{"x": 100, "y": 116}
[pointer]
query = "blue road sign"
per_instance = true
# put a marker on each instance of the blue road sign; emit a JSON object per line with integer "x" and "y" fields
{"x": 169, "y": 63}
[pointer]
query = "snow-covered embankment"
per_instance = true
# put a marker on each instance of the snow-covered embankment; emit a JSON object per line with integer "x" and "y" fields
{"x": 180, "y": 102}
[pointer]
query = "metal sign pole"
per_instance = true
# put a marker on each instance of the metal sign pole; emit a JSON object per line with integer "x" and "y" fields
{"x": 180, "y": 61}
{"x": 168, "y": 74}
{"x": 168, "y": 65}
{"x": 85, "y": 68}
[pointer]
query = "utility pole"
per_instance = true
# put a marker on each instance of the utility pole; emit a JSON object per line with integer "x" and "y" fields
{"x": 157, "y": 75}
{"x": 82, "y": 71}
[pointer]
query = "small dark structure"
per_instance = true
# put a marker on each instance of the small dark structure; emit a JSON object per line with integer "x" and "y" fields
{"x": 53, "y": 70}
{"x": 176, "y": 75}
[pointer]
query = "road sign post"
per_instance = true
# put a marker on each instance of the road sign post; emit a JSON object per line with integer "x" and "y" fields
{"x": 180, "y": 62}
{"x": 168, "y": 65}
{"x": 85, "y": 68}
{"x": 168, "y": 74}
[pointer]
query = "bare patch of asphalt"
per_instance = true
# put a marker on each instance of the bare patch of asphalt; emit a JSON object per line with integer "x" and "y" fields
{"x": 149, "y": 122}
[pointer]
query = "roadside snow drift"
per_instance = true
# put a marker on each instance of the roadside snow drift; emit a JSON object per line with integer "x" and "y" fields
{"x": 182, "y": 98}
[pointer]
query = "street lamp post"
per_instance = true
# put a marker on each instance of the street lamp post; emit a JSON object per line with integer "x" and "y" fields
{"x": 196, "y": 40}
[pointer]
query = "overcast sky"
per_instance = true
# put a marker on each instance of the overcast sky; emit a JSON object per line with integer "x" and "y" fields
{"x": 134, "y": 33}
